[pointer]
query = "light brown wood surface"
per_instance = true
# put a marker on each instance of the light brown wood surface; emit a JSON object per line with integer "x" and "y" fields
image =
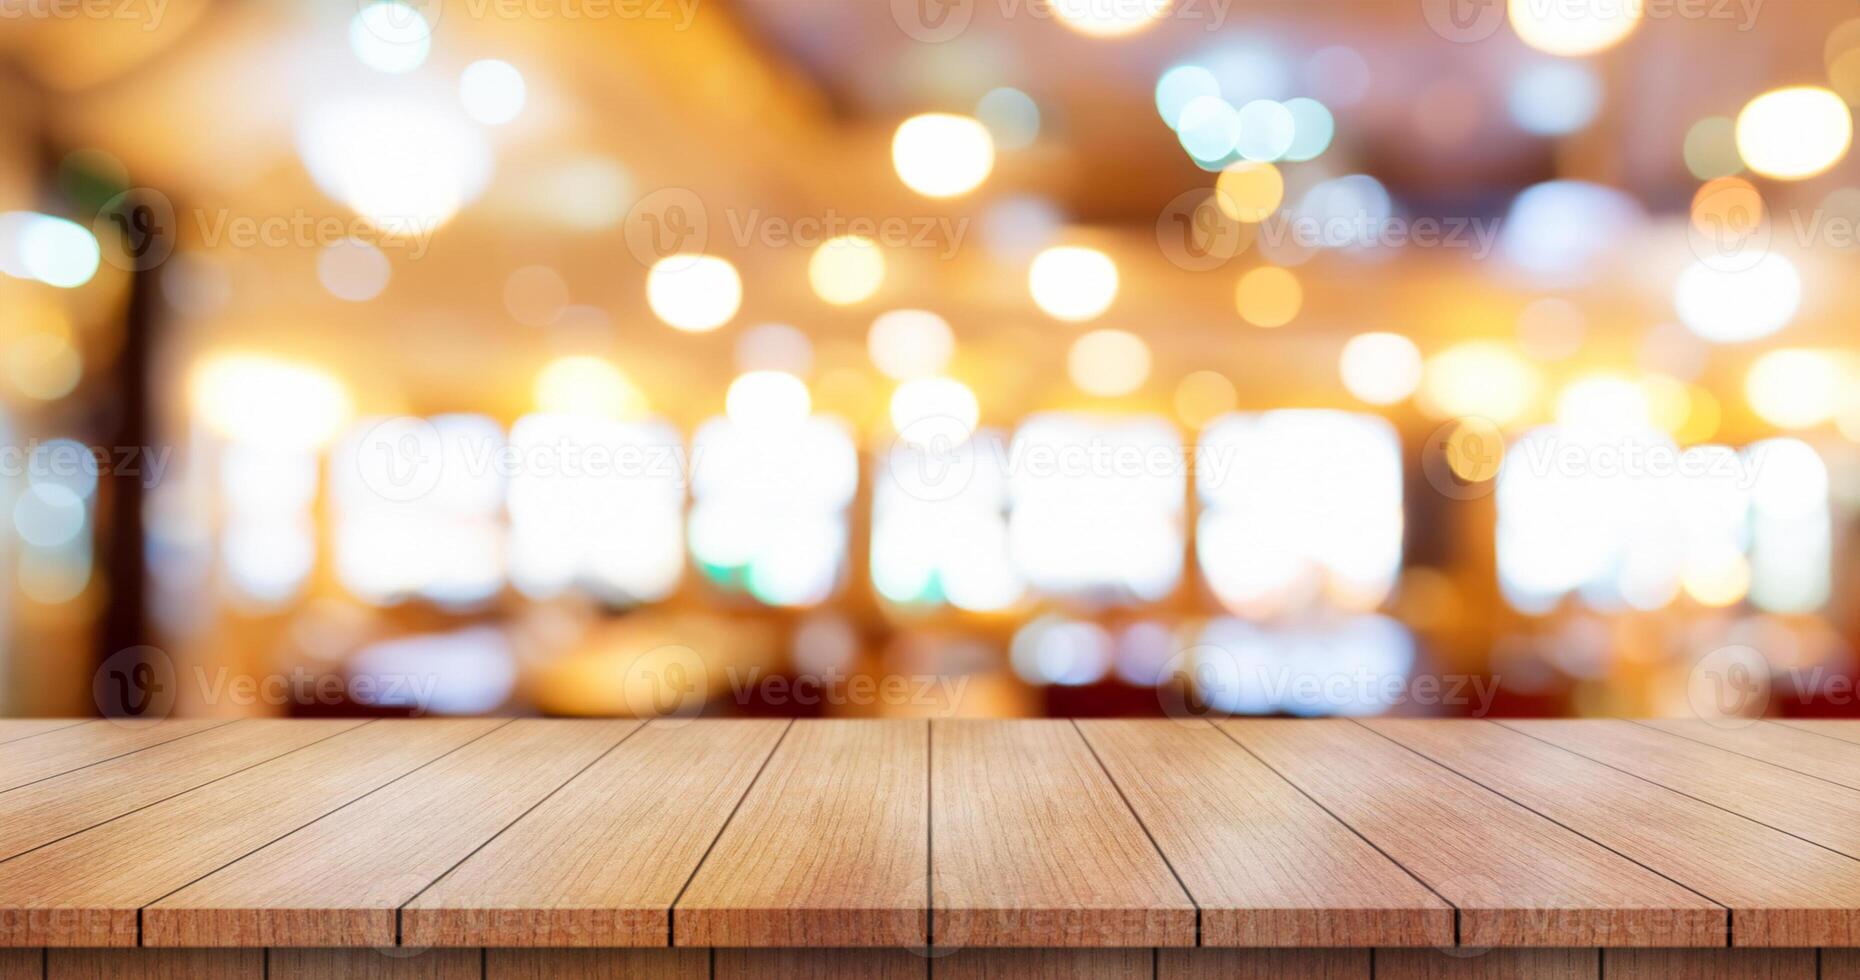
{"x": 1031, "y": 845}
{"x": 1517, "y": 878}
{"x": 14, "y": 729}
{"x": 1847, "y": 731}
{"x": 1266, "y": 866}
{"x": 831, "y": 847}
{"x": 1783, "y": 891}
{"x": 1806, "y": 752}
{"x": 155, "y": 964}
{"x": 65, "y": 749}
{"x": 341, "y": 880}
{"x": 88, "y": 889}
{"x": 33, "y": 816}
{"x": 602, "y": 860}
{"x": 1805, "y": 806}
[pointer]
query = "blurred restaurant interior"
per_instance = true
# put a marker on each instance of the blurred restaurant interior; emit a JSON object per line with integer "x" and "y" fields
{"x": 930, "y": 357}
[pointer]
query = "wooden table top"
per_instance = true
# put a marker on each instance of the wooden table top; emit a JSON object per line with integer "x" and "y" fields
{"x": 1241, "y": 833}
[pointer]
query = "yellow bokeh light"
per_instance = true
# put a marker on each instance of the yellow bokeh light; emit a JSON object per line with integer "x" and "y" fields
{"x": 1108, "y": 362}
{"x": 1604, "y": 402}
{"x": 694, "y": 293}
{"x": 590, "y": 386}
{"x": 1794, "y": 133}
{"x": 1482, "y": 379}
{"x": 1380, "y": 368}
{"x": 1072, "y": 283}
{"x": 1573, "y": 29}
{"x": 1797, "y": 389}
{"x": 1269, "y": 297}
{"x": 1110, "y": 18}
{"x": 1719, "y": 584}
{"x": 939, "y": 154}
{"x": 1249, "y": 191}
{"x": 1669, "y": 403}
{"x": 906, "y": 344}
{"x": 1204, "y": 396}
{"x": 1474, "y": 450}
{"x": 1729, "y": 208}
{"x": 767, "y": 399}
{"x": 938, "y": 408}
{"x": 846, "y": 270}
{"x": 1702, "y": 417}
{"x": 257, "y": 399}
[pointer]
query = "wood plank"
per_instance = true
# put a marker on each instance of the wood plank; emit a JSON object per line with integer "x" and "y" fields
{"x": 1807, "y": 807}
{"x": 838, "y": 964}
{"x": 22, "y": 964}
{"x": 342, "y": 880}
{"x": 597, "y": 964}
{"x": 1517, "y": 878}
{"x": 1047, "y": 964}
{"x": 1701, "y": 964}
{"x": 374, "y": 964}
{"x": 1779, "y": 745}
{"x": 14, "y": 729}
{"x": 87, "y": 890}
{"x": 1782, "y": 891}
{"x": 33, "y": 816}
{"x": 1848, "y": 731}
{"x": 56, "y": 752}
{"x": 1840, "y": 964}
{"x": 1266, "y": 866}
{"x": 601, "y": 861}
{"x": 1033, "y": 847}
{"x": 155, "y": 964}
{"x": 831, "y": 847}
{"x": 1488, "y": 964}
{"x": 1262, "y": 964}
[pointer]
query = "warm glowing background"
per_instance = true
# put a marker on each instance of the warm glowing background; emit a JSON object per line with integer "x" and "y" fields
{"x": 1269, "y": 341}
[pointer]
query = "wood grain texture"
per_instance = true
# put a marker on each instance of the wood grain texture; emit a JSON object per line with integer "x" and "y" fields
{"x": 1266, "y": 866}
{"x": 597, "y": 964}
{"x": 14, "y": 729}
{"x": 823, "y": 964}
{"x": 1805, "y": 752}
{"x": 1810, "y": 808}
{"x": 1840, "y": 964}
{"x": 22, "y": 964}
{"x": 155, "y": 964}
{"x": 1033, "y": 847}
{"x": 1782, "y": 891}
{"x": 1699, "y": 964}
{"x": 342, "y": 880}
{"x": 1262, "y": 964}
{"x": 33, "y": 816}
{"x": 86, "y": 890}
{"x": 60, "y": 751}
{"x": 374, "y": 964}
{"x": 831, "y": 847}
{"x": 1848, "y": 731}
{"x": 1489, "y": 964}
{"x": 1046, "y": 964}
{"x": 1517, "y": 878}
{"x": 600, "y": 862}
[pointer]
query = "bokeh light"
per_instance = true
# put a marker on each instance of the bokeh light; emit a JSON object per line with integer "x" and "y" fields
{"x": 1269, "y": 296}
{"x": 1482, "y": 379}
{"x": 1798, "y": 389}
{"x": 1072, "y": 283}
{"x": 390, "y": 36}
{"x": 588, "y": 386}
{"x": 492, "y": 91}
{"x": 694, "y": 293}
{"x": 1573, "y": 29}
{"x": 1110, "y": 18}
{"x": 906, "y": 344}
{"x": 767, "y": 400}
{"x": 1794, "y": 133}
{"x": 1380, "y": 368}
{"x": 1733, "y": 305}
{"x": 846, "y": 270}
{"x": 1108, "y": 363}
{"x": 942, "y": 155}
